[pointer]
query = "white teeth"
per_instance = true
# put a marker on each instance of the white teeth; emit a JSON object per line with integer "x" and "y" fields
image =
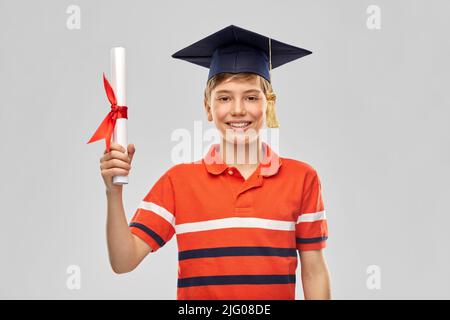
{"x": 239, "y": 124}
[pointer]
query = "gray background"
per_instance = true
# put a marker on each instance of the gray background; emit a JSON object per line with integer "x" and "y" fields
{"x": 369, "y": 109}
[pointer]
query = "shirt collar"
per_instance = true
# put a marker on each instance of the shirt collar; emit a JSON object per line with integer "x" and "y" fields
{"x": 268, "y": 166}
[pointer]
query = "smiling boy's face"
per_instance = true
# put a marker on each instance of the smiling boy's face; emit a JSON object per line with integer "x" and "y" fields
{"x": 238, "y": 108}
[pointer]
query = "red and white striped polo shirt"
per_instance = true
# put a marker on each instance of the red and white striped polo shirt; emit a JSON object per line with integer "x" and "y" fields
{"x": 237, "y": 238}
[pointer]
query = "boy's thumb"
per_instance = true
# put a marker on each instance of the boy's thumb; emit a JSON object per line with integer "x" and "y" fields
{"x": 131, "y": 150}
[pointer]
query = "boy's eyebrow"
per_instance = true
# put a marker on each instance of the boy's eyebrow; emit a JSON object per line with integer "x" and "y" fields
{"x": 246, "y": 91}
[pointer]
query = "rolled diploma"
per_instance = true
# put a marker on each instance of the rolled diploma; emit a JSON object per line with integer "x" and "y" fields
{"x": 118, "y": 80}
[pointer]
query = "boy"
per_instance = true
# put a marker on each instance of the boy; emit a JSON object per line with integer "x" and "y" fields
{"x": 239, "y": 224}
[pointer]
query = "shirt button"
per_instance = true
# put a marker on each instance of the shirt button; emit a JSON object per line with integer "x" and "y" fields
{"x": 230, "y": 171}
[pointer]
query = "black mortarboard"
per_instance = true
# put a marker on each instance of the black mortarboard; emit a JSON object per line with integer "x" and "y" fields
{"x": 236, "y": 50}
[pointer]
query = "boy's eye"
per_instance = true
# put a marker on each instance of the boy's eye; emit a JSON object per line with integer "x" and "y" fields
{"x": 251, "y": 98}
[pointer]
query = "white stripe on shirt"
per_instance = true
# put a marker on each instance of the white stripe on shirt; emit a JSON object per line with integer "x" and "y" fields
{"x": 164, "y": 213}
{"x": 235, "y": 222}
{"x": 311, "y": 217}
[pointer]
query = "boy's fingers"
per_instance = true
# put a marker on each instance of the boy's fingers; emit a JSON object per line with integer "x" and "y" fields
{"x": 116, "y": 146}
{"x": 114, "y": 154}
{"x": 116, "y": 163}
{"x": 118, "y": 152}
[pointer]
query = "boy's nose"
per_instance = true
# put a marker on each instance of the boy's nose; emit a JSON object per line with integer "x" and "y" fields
{"x": 238, "y": 108}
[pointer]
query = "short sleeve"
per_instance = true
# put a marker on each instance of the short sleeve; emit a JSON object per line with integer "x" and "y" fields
{"x": 154, "y": 219}
{"x": 311, "y": 228}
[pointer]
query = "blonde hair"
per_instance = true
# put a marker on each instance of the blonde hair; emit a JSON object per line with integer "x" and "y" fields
{"x": 266, "y": 86}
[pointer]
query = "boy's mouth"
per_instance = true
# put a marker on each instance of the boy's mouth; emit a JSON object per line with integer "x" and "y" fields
{"x": 239, "y": 124}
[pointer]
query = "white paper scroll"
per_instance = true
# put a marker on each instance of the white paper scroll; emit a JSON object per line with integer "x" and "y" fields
{"x": 118, "y": 83}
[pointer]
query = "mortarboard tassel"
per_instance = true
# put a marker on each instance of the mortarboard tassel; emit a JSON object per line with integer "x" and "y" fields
{"x": 271, "y": 115}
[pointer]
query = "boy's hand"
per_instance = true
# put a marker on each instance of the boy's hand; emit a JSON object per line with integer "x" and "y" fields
{"x": 116, "y": 163}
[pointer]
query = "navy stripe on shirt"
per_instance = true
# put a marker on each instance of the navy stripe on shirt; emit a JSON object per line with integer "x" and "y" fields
{"x": 237, "y": 251}
{"x": 236, "y": 279}
{"x": 311, "y": 240}
{"x": 149, "y": 231}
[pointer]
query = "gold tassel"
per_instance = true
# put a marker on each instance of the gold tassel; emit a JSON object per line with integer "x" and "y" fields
{"x": 271, "y": 115}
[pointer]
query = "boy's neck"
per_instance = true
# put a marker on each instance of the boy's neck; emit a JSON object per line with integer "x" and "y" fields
{"x": 241, "y": 155}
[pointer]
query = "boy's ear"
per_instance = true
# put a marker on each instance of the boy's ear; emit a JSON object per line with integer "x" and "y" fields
{"x": 208, "y": 110}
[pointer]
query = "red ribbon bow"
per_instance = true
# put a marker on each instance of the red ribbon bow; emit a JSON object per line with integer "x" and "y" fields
{"x": 105, "y": 130}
